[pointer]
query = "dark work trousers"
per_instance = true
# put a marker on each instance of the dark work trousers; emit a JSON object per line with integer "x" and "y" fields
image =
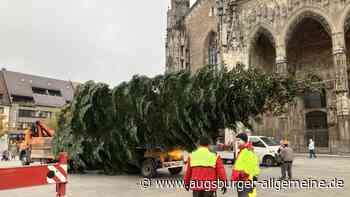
{"x": 286, "y": 166}
{"x": 204, "y": 194}
{"x": 312, "y": 154}
{"x": 243, "y": 194}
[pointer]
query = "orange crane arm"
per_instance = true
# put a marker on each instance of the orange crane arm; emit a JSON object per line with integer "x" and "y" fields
{"x": 43, "y": 130}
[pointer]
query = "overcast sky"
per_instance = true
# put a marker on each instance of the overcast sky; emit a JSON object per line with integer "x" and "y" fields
{"x": 79, "y": 40}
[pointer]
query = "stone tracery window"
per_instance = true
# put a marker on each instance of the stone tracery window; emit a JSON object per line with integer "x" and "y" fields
{"x": 212, "y": 49}
{"x": 315, "y": 100}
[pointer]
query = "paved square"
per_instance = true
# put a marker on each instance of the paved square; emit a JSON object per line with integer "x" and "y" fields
{"x": 127, "y": 185}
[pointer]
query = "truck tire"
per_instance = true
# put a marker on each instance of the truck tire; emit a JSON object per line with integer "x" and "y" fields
{"x": 132, "y": 169}
{"x": 269, "y": 161}
{"x": 149, "y": 168}
{"x": 175, "y": 171}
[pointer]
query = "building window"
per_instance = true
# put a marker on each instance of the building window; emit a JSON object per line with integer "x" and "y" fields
{"x": 42, "y": 114}
{"x": 188, "y": 59}
{"x": 212, "y": 49}
{"x": 44, "y": 91}
{"x": 37, "y": 90}
{"x": 22, "y": 99}
{"x": 315, "y": 100}
{"x": 2, "y": 110}
{"x": 45, "y": 114}
{"x": 55, "y": 93}
{"x": 24, "y": 125}
{"x": 25, "y": 113}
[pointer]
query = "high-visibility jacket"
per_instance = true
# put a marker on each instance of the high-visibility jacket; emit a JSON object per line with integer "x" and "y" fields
{"x": 246, "y": 166}
{"x": 203, "y": 165}
{"x": 202, "y": 157}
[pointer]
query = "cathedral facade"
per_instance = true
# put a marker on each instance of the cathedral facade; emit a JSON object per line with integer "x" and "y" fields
{"x": 281, "y": 36}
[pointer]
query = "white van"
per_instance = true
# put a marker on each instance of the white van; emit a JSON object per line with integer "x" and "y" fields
{"x": 266, "y": 148}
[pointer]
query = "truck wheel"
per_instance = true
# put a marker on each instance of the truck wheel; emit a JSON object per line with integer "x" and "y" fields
{"x": 175, "y": 171}
{"x": 268, "y": 161}
{"x": 131, "y": 169}
{"x": 148, "y": 168}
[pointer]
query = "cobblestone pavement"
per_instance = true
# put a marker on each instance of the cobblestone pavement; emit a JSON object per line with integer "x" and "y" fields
{"x": 93, "y": 185}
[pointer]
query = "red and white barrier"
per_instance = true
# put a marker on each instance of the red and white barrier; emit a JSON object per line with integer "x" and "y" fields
{"x": 13, "y": 178}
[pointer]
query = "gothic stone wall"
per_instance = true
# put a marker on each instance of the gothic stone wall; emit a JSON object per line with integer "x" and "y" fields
{"x": 245, "y": 22}
{"x": 278, "y": 21}
{"x": 175, "y": 39}
{"x": 200, "y": 22}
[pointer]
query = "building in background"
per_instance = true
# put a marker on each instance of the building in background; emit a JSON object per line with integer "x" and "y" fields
{"x": 27, "y": 98}
{"x": 288, "y": 37}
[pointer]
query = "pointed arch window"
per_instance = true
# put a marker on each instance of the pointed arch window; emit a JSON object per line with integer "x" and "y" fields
{"x": 315, "y": 99}
{"x": 212, "y": 49}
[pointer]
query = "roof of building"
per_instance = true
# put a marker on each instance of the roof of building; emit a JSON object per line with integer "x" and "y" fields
{"x": 55, "y": 92}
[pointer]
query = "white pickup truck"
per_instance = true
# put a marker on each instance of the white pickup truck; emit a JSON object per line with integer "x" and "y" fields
{"x": 265, "y": 147}
{"x": 226, "y": 153}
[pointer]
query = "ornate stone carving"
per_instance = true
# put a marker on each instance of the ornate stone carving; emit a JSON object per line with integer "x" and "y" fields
{"x": 233, "y": 20}
{"x": 331, "y": 114}
{"x": 342, "y": 105}
{"x": 339, "y": 57}
{"x": 270, "y": 10}
{"x": 242, "y": 18}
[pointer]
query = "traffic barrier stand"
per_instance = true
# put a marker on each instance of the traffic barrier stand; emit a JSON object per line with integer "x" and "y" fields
{"x": 12, "y": 178}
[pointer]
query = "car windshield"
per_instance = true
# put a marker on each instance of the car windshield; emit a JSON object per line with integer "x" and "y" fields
{"x": 269, "y": 141}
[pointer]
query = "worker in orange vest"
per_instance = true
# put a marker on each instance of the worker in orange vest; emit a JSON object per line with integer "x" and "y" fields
{"x": 203, "y": 170}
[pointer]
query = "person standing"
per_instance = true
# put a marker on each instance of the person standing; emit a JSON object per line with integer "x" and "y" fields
{"x": 5, "y": 155}
{"x": 281, "y": 146}
{"x": 279, "y": 159}
{"x": 246, "y": 168}
{"x": 312, "y": 149}
{"x": 204, "y": 167}
{"x": 287, "y": 157}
